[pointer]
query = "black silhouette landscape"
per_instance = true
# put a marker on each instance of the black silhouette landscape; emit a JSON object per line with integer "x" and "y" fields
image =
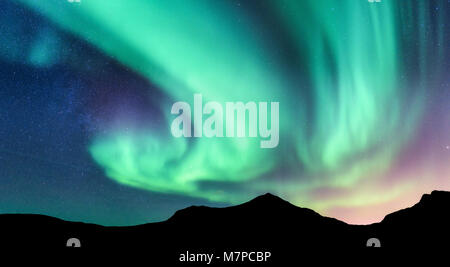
{"x": 266, "y": 223}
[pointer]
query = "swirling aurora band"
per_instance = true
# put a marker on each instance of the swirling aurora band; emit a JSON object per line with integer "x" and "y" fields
{"x": 355, "y": 82}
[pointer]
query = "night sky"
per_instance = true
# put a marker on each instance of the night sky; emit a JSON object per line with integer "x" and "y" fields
{"x": 87, "y": 88}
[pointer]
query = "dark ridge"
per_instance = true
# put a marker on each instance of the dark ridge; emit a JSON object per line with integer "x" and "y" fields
{"x": 434, "y": 205}
{"x": 269, "y": 198}
{"x": 265, "y": 207}
{"x": 265, "y": 223}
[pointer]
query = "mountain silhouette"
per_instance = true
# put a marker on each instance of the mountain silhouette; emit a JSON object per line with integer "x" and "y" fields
{"x": 424, "y": 225}
{"x": 266, "y": 223}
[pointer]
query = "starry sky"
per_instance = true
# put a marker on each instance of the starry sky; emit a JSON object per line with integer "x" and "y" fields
{"x": 87, "y": 88}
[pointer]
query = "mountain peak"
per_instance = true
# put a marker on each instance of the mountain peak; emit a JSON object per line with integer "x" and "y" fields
{"x": 269, "y": 199}
{"x": 435, "y": 195}
{"x": 430, "y": 206}
{"x": 440, "y": 193}
{"x": 269, "y": 196}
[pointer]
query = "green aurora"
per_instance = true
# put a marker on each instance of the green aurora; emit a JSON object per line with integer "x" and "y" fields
{"x": 349, "y": 102}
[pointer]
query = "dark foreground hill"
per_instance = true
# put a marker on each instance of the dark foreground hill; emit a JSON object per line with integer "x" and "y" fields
{"x": 266, "y": 224}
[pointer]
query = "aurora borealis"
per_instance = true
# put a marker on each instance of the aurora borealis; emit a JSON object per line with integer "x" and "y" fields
{"x": 364, "y": 91}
